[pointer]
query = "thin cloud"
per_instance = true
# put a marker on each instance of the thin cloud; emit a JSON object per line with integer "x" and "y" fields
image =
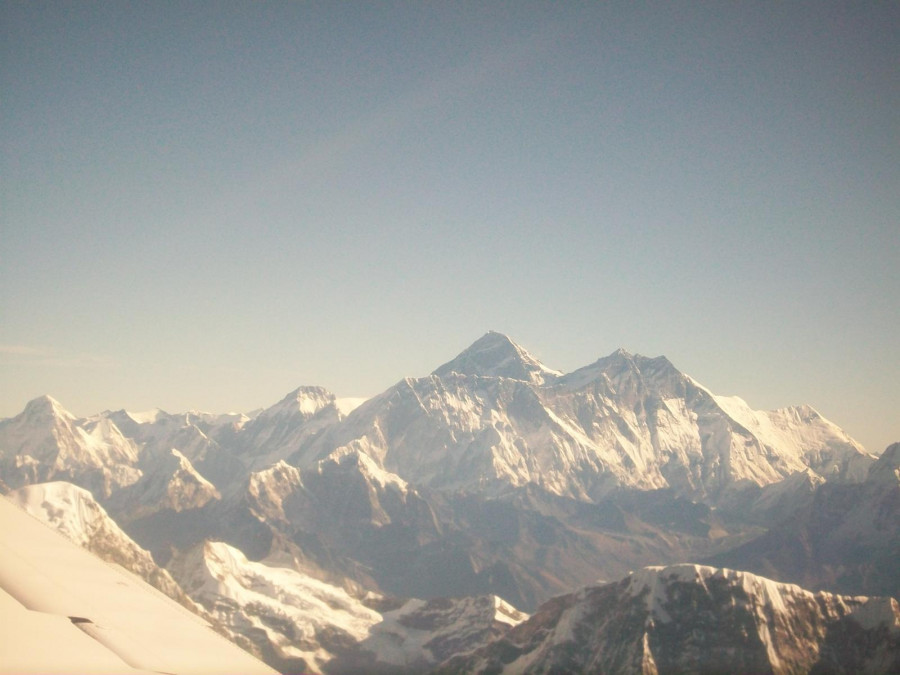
{"x": 440, "y": 91}
{"x": 28, "y": 355}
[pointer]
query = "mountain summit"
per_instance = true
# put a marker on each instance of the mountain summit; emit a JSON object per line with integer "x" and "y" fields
{"x": 496, "y": 355}
{"x": 496, "y": 418}
{"x": 299, "y": 526}
{"x": 692, "y": 618}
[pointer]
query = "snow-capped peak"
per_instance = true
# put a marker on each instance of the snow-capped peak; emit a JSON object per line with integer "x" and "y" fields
{"x": 307, "y": 401}
{"x": 46, "y": 442}
{"x": 692, "y": 618}
{"x": 145, "y": 416}
{"x": 348, "y": 404}
{"x": 68, "y": 508}
{"x": 623, "y": 366}
{"x": 658, "y": 581}
{"x": 496, "y": 355}
{"x": 46, "y": 406}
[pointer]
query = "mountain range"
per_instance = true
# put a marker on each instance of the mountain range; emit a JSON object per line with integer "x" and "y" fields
{"x": 494, "y": 480}
{"x": 690, "y": 618}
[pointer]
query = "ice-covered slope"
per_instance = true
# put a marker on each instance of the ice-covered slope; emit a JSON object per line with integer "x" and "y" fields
{"x": 205, "y": 439}
{"x": 282, "y": 428}
{"x": 826, "y": 448}
{"x": 169, "y": 483}
{"x": 73, "y": 512}
{"x": 46, "y": 442}
{"x": 494, "y": 419}
{"x": 491, "y": 419}
{"x": 393, "y": 493}
{"x": 66, "y": 611}
{"x": 344, "y": 516}
{"x": 648, "y": 418}
{"x": 690, "y": 618}
{"x": 846, "y": 537}
{"x": 299, "y": 621}
{"x": 304, "y": 624}
{"x": 495, "y": 355}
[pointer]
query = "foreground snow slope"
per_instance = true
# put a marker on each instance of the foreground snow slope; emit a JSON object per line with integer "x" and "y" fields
{"x": 73, "y": 512}
{"x": 66, "y": 611}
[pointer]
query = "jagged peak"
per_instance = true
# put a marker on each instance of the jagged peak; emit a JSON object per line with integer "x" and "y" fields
{"x": 140, "y": 417}
{"x": 46, "y": 406}
{"x": 280, "y": 472}
{"x": 306, "y": 400}
{"x": 622, "y": 362}
{"x": 802, "y": 412}
{"x": 886, "y": 470}
{"x": 638, "y": 361}
{"x": 496, "y": 355}
{"x": 352, "y": 457}
{"x": 656, "y": 578}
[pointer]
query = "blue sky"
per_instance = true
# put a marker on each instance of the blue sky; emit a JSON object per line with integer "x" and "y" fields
{"x": 206, "y": 205}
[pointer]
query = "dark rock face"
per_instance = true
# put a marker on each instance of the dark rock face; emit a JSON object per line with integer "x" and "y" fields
{"x": 689, "y": 618}
{"x": 847, "y": 538}
{"x": 495, "y": 475}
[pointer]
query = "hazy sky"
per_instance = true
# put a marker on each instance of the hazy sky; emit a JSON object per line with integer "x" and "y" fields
{"x": 206, "y": 205}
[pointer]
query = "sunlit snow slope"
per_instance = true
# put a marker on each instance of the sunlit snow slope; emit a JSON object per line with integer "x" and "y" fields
{"x": 696, "y": 619}
{"x": 63, "y": 610}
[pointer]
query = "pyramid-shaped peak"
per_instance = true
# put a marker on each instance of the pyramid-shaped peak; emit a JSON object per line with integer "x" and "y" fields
{"x": 494, "y": 342}
{"x": 46, "y": 406}
{"x": 306, "y": 401}
{"x": 496, "y": 355}
{"x": 621, "y": 354}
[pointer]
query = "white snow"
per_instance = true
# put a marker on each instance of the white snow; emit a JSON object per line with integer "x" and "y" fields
{"x": 803, "y": 437}
{"x": 45, "y": 579}
{"x": 771, "y": 603}
{"x": 348, "y": 405}
{"x": 496, "y": 355}
{"x": 241, "y": 593}
{"x": 462, "y": 621}
{"x": 48, "y": 441}
{"x": 67, "y": 508}
{"x": 145, "y": 417}
{"x": 631, "y": 420}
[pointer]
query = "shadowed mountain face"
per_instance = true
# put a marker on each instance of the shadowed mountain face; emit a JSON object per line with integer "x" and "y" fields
{"x": 485, "y": 422}
{"x": 46, "y": 442}
{"x": 689, "y": 618}
{"x": 494, "y": 475}
{"x": 491, "y": 419}
{"x": 74, "y": 512}
{"x": 847, "y": 537}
